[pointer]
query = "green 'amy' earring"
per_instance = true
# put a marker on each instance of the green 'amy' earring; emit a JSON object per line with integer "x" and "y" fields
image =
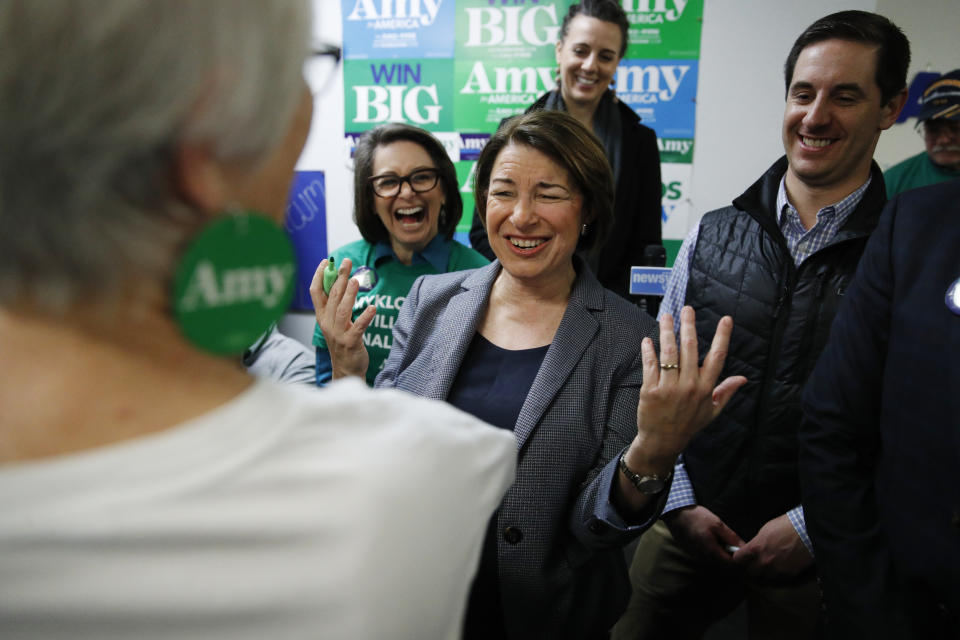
{"x": 234, "y": 280}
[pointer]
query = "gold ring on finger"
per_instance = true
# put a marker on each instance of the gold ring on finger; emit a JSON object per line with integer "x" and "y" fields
{"x": 668, "y": 367}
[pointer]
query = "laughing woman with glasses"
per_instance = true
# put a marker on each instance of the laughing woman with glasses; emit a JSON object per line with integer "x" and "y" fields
{"x": 407, "y": 204}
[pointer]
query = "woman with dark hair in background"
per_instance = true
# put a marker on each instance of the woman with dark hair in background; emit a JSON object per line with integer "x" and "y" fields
{"x": 534, "y": 345}
{"x": 593, "y": 39}
{"x": 149, "y": 488}
{"x": 406, "y": 204}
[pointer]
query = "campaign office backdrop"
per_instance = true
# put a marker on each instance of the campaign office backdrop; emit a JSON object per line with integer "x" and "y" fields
{"x": 739, "y": 110}
{"x": 458, "y": 67}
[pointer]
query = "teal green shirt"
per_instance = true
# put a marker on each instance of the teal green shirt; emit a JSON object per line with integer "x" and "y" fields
{"x": 917, "y": 171}
{"x": 394, "y": 280}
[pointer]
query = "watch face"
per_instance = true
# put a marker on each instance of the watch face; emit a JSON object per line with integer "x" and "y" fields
{"x": 651, "y": 485}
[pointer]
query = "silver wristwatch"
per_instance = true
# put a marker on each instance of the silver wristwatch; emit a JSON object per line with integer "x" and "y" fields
{"x": 647, "y": 485}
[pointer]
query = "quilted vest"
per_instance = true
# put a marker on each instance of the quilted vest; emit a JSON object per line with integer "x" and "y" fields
{"x": 743, "y": 465}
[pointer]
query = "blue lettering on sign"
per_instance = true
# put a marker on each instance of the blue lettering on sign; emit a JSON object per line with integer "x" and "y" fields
{"x": 403, "y": 73}
{"x": 471, "y": 144}
{"x": 649, "y": 281}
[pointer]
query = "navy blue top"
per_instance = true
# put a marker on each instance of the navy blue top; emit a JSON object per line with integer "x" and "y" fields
{"x": 492, "y": 384}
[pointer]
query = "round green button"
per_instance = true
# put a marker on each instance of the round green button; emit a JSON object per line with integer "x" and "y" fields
{"x": 235, "y": 279}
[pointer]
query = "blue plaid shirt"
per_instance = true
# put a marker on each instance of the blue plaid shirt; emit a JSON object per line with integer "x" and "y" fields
{"x": 802, "y": 244}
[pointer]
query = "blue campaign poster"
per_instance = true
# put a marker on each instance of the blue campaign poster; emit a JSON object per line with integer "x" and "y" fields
{"x": 307, "y": 225}
{"x": 397, "y": 29}
{"x": 662, "y": 92}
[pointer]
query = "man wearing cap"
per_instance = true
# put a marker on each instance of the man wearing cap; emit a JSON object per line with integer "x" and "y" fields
{"x": 778, "y": 260}
{"x": 939, "y": 122}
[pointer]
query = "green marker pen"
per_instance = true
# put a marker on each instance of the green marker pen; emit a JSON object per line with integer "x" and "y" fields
{"x": 329, "y": 276}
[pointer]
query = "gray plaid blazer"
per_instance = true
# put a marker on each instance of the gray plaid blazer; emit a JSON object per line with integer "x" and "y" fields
{"x": 559, "y": 542}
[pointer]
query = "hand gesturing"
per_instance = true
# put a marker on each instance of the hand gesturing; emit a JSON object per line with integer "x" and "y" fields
{"x": 344, "y": 336}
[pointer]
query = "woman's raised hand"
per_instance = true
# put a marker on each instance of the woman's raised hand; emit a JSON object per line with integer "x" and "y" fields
{"x": 344, "y": 336}
{"x": 678, "y": 397}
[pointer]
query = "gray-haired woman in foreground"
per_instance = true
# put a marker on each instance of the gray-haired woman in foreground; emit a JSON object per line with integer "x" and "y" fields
{"x": 149, "y": 489}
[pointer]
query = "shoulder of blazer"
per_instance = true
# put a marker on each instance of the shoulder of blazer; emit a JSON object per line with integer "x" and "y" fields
{"x": 445, "y": 285}
{"x": 590, "y": 294}
{"x": 620, "y": 326}
{"x": 625, "y": 320}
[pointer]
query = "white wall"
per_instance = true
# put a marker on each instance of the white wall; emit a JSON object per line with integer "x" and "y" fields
{"x": 741, "y": 88}
{"x": 933, "y": 27}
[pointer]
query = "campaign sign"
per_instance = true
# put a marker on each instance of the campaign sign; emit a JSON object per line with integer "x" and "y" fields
{"x": 662, "y": 92}
{"x": 306, "y": 223}
{"x": 522, "y": 31}
{"x": 397, "y": 29}
{"x": 677, "y": 150}
{"x": 451, "y": 141}
{"x": 471, "y": 144}
{"x": 649, "y": 281}
{"x": 418, "y": 92}
{"x": 465, "y": 173}
{"x": 675, "y": 199}
{"x": 489, "y": 91}
{"x": 663, "y": 28}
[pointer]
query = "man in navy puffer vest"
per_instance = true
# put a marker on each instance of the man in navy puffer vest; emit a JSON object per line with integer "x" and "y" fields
{"x": 778, "y": 260}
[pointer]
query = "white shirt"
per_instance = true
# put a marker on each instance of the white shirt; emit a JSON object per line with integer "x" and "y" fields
{"x": 285, "y": 513}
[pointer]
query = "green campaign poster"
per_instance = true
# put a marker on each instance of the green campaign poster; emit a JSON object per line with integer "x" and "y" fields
{"x": 677, "y": 150}
{"x": 503, "y": 59}
{"x": 488, "y": 91}
{"x": 465, "y": 172}
{"x": 522, "y": 32}
{"x": 663, "y": 28}
{"x": 418, "y": 92}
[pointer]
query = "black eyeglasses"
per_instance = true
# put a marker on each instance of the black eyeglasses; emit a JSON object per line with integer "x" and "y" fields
{"x": 421, "y": 180}
{"x": 321, "y": 67}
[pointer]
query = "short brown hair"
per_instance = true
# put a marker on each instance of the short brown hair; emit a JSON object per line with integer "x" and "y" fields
{"x": 604, "y": 10}
{"x": 893, "y": 48}
{"x": 364, "y": 214}
{"x": 564, "y": 140}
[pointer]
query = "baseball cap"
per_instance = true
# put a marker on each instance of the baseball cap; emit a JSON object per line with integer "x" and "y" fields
{"x": 942, "y": 98}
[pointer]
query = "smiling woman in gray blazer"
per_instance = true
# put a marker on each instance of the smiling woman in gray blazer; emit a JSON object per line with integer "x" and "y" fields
{"x": 534, "y": 344}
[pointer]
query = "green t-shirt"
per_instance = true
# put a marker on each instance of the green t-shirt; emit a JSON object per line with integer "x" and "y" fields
{"x": 914, "y": 172}
{"x": 394, "y": 280}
